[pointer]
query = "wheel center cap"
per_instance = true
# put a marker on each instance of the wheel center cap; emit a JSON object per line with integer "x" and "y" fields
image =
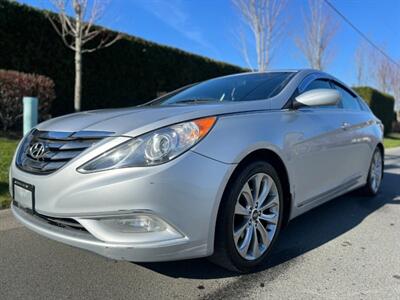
{"x": 255, "y": 215}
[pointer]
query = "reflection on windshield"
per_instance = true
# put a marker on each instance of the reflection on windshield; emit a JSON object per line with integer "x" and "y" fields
{"x": 243, "y": 87}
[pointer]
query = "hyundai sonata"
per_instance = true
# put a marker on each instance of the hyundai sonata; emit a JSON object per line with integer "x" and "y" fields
{"x": 214, "y": 169}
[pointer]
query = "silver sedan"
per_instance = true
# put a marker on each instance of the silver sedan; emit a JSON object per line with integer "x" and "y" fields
{"x": 213, "y": 169}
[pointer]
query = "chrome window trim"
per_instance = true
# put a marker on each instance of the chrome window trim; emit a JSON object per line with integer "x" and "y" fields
{"x": 309, "y": 79}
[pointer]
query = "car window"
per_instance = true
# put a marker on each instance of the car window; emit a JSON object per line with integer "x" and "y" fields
{"x": 364, "y": 106}
{"x": 318, "y": 84}
{"x": 349, "y": 101}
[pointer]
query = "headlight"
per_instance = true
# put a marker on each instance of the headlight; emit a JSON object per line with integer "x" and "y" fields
{"x": 153, "y": 148}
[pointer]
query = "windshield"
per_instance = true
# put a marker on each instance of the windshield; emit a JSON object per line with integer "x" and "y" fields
{"x": 245, "y": 87}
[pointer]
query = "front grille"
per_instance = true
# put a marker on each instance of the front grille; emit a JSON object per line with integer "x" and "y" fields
{"x": 67, "y": 223}
{"x": 43, "y": 152}
{"x": 63, "y": 222}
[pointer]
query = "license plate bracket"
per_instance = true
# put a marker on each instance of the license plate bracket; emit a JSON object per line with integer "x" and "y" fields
{"x": 23, "y": 194}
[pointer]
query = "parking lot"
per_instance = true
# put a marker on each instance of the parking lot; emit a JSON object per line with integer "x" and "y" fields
{"x": 348, "y": 249}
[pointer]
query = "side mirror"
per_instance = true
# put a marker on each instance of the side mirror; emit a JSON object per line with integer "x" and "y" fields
{"x": 318, "y": 97}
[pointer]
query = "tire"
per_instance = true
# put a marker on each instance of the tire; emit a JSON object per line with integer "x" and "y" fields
{"x": 229, "y": 248}
{"x": 375, "y": 174}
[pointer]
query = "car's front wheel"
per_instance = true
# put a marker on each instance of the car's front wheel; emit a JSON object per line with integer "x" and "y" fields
{"x": 249, "y": 218}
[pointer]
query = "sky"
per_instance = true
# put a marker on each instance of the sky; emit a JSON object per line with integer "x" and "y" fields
{"x": 211, "y": 28}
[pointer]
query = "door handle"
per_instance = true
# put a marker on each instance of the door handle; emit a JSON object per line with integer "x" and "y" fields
{"x": 345, "y": 125}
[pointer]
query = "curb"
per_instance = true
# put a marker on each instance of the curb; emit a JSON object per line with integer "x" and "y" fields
{"x": 4, "y": 211}
{"x": 392, "y": 150}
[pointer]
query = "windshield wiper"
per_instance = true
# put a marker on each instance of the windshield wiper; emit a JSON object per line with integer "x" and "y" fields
{"x": 195, "y": 100}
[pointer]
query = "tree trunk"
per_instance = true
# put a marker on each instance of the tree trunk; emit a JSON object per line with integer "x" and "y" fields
{"x": 78, "y": 56}
{"x": 78, "y": 79}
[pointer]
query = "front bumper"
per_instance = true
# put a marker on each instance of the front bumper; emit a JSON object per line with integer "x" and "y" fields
{"x": 162, "y": 251}
{"x": 185, "y": 193}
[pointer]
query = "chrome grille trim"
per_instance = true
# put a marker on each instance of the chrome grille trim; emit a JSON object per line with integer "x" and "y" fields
{"x": 61, "y": 147}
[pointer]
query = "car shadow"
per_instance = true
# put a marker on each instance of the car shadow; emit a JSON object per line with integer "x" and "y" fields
{"x": 303, "y": 234}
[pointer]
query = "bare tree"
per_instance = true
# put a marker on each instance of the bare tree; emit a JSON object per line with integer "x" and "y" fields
{"x": 263, "y": 17}
{"x": 360, "y": 63}
{"x": 319, "y": 30}
{"x": 395, "y": 87}
{"x": 383, "y": 71}
{"x": 80, "y": 34}
{"x": 244, "y": 49}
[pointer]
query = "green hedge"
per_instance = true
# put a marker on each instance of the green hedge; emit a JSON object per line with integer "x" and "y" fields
{"x": 381, "y": 104}
{"x": 130, "y": 72}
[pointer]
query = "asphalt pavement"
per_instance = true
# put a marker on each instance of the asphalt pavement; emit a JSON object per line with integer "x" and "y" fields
{"x": 348, "y": 248}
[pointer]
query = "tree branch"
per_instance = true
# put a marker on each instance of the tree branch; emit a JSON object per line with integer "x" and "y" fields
{"x": 263, "y": 18}
{"x": 69, "y": 31}
{"x": 104, "y": 43}
{"x": 319, "y": 32}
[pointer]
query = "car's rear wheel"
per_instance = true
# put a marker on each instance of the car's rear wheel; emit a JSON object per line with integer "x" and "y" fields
{"x": 375, "y": 174}
{"x": 249, "y": 218}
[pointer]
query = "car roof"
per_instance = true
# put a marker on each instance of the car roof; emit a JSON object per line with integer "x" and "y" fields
{"x": 302, "y": 72}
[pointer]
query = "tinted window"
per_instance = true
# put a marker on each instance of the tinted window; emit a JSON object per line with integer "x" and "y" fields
{"x": 318, "y": 84}
{"x": 348, "y": 100}
{"x": 244, "y": 87}
{"x": 363, "y": 105}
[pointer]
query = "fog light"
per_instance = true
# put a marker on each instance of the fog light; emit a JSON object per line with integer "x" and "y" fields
{"x": 135, "y": 224}
{"x": 136, "y": 228}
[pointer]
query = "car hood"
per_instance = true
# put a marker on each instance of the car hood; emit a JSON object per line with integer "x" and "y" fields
{"x": 137, "y": 120}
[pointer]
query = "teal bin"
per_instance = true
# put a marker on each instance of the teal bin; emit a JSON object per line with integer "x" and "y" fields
{"x": 30, "y": 113}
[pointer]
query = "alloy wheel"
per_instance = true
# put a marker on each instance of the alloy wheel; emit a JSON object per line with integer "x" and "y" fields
{"x": 376, "y": 171}
{"x": 256, "y": 216}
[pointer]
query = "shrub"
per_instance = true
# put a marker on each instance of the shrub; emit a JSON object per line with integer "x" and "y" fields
{"x": 396, "y": 127}
{"x": 381, "y": 104}
{"x": 130, "y": 72}
{"x": 13, "y": 87}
